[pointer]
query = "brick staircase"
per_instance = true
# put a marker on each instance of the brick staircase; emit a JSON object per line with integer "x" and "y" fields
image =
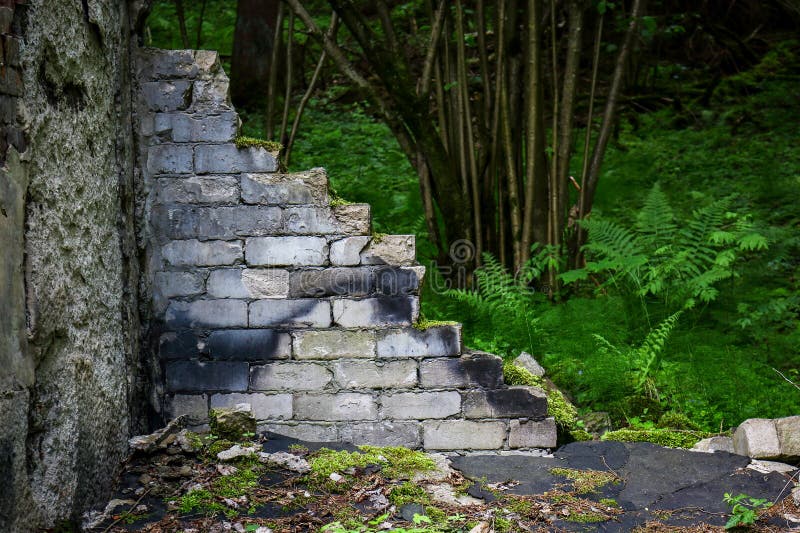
{"x": 266, "y": 292}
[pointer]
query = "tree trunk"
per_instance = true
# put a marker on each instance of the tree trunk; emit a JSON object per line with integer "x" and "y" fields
{"x": 252, "y": 51}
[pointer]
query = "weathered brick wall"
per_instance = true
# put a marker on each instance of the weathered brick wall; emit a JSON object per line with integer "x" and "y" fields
{"x": 264, "y": 292}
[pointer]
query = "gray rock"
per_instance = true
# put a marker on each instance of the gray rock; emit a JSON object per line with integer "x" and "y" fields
{"x": 765, "y": 467}
{"x": 286, "y": 460}
{"x": 236, "y": 451}
{"x": 757, "y": 438}
{"x": 715, "y": 444}
{"x": 158, "y": 439}
{"x": 526, "y": 361}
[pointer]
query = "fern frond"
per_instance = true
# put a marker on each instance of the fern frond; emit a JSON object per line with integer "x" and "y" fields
{"x": 656, "y": 221}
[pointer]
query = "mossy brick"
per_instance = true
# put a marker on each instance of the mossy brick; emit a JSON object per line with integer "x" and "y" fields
{"x": 347, "y": 251}
{"x": 180, "y": 283}
{"x": 289, "y": 376}
{"x": 286, "y": 251}
{"x": 335, "y": 406}
{"x": 208, "y": 253}
{"x": 390, "y": 250}
{"x": 359, "y": 374}
{"x": 197, "y": 190}
{"x": 472, "y": 370}
{"x": 337, "y": 281}
{"x": 382, "y": 433}
{"x": 333, "y": 344}
{"x": 248, "y": 344}
{"x": 228, "y": 159}
{"x": 526, "y": 433}
{"x": 169, "y": 159}
{"x": 376, "y": 311}
{"x": 157, "y": 64}
{"x": 189, "y": 222}
{"x": 420, "y": 405}
{"x": 305, "y": 312}
{"x": 301, "y": 188}
{"x": 305, "y": 431}
{"x": 248, "y": 283}
{"x": 263, "y": 406}
{"x": 513, "y": 402}
{"x": 411, "y": 342}
{"x": 463, "y": 435}
{"x": 184, "y": 127}
{"x": 207, "y": 314}
{"x": 172, "y": 95}
{"x": 206, "y": 376}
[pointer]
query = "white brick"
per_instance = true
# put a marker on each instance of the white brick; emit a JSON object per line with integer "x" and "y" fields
{"x": 264, "y": 406}
{"x": 375, "y": 374}
{"x": 333, "y": 344}
{"x": 309, "y": 432}
{"x": 198, "y": 190}
{"x": 390, "y": 250}
{"x": 335, "y": 407}
{"x": 207, "y": 313}
{"x": 248, "y": 283}
{"x": 420, "y": 405}
{"x": 289, "y": 376}
{"x": 463, "y": 435}
{"x": 378, "y": 311}
{"x": 209, "y": 253}
{"x": 171, "y": 284}
{"x": 383, "y": 433}
{"x": 286, "y": 251}
{"x": 532, "y": 433}
{"x": 347, "y": 251}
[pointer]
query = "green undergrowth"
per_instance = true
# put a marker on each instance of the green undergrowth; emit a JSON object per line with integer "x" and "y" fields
{"x": 396, "y": 462}
{"x": 672, "y": 438}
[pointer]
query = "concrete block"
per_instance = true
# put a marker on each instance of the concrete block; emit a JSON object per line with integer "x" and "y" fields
{"x": 289, "y": 376}
{"x": 206, "y": 376}
{"x": 532, "y": 433}
{"x": 420, "y": 405}
{"x": 286, "y": 189}
{"x": 287, "y": 251}
{"x": 227, "y": 159}
{"x": 335, "y": 407}
{"x": 195, "y": 406}
{"x": 169, "y": 159}
{"x": 182, "y": 127}
{"x": 340, "y": 281}
{"x": 481, "y": 370}
{"x": 393, "y": 281}
{"x": 347, "y": 251}
{"x": 757, "y": 438}
{"x": 198, "y": 190}
{"x": 463, "y": 435}
{"x": 209, "y": 253}
{"x": 248, "y": 344}
{"x": 411, "y": 342}
{"x": 354, "y": 219}
{"x": 249, "y": 283}
{"x": 180, "y": 345}
{"x": 788, "y": 430}
{"x": 377, "y": 311}
{"x": 173, "y": 95}
{"x": 155, "y": 64}
{"x": 383, "y": 433}
{"x": 207, "y": 313}
{"x": 171, "y": 284}
{"x": 513, "y": 402}
{"x": 264, "y": 406}
{"x": 324, "y": 221}
{"x": 307, "y": 312}
{"x": 192, "y": 222}
{"x": 333, "y": 344}
{"x": 390, "y": 250}
{"x": 375, "y": 374}
{"x": 308, "y": 432}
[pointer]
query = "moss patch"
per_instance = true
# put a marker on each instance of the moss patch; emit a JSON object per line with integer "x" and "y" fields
{"x": 396, "y": 462}
{"x": 671, "y": 438}
{"x": 586, "y": 481}
{"x": 565, "y": 414}
{"x": 423, "y": 323}
{"x": 251, "y": 142}
{"x": 408, "y": 493}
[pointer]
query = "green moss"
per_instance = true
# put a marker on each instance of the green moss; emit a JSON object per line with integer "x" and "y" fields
{"x": 377, "y": 238}
{"x": 502, "y": 525}
{"x": 586, "y": 481}
{"x": 673, "y": 420}
{"x": 408, "y": 493}
{"x": 397, "y": 462}
{"x": 423, "y": 323}
{"x": 672, "y": 438}
{"x": 565, "y": 414}
{"x": 239, "y": 483}
{"x": 251, "y": 142}
{"x": 609, "y": 502}
{"x": 200, "y": 501}
{"x": 218, "y": 446}
{"x": 586, "y": 518}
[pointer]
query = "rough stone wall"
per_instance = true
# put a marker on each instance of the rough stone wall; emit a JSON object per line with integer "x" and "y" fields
{"x": 68, "y": 324}
{"x": 267, "y": 293}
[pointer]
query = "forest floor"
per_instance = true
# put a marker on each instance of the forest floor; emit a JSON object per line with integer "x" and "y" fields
{"x": 590, "y": 486}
